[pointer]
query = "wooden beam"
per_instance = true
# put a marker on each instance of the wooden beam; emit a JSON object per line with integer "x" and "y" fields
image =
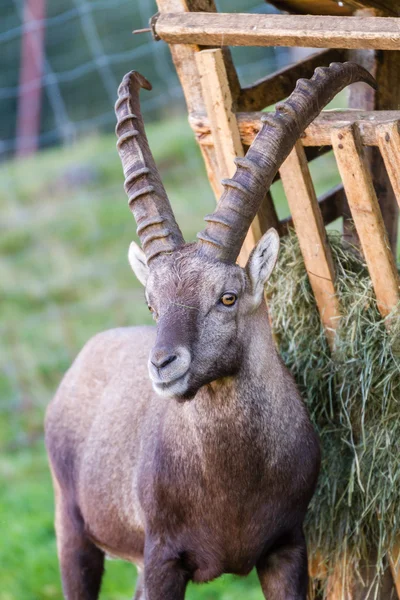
{"x": 331, "y": 207}
{"x": 183, "y": 55}
{"x": 385, "y": 66}
{"x": 221, "y": 29}
{"x": 310, "y": 230}
{"x": 224, "y": 129}
{"x": 186, "y": 68}
{"x": 281, "y": 84}
{"x": 317, "y": 134}
{"x": 389, "y": 144}
{"x": 367, "y": 216}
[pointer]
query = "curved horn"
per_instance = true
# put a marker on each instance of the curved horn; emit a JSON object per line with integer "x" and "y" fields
{"x": 228, "y": 225}
{"x": 148, "y": 201}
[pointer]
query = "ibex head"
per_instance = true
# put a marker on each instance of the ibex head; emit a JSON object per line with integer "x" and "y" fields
{"x": 206, "y": 306}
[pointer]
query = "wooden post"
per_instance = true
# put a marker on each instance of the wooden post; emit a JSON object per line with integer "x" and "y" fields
{"x": 183, "y": 56}
{"x": 309, "y": 225}
{"x": 224, "y": 128}
{"x": 30, "y": 86}
{"x": 389, "y": 145}
{"x": 367, "y": 216}
{"x": 385, "y": 66}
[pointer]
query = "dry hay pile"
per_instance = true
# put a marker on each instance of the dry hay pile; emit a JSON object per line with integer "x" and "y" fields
{"x": 353, "y": 395}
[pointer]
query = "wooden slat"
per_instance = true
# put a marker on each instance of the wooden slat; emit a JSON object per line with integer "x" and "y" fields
{"x": 385, "y": 67}
{"x": 186, "y": 67}
{"x": 183, "y": 55}
{"x": 246, "y": 29}
{"x": 330, "y": 205}
{"x": 280, "y": 84}
{"x": 389, "y": 144}
{"x": 367, "y": 217}
{"x": 225, "y": 131}
{"x": 311, "y": 232}
{"x": 317, "y": 134}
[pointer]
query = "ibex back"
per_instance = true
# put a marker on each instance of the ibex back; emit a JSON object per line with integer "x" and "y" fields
{"x": 208, "y": 465}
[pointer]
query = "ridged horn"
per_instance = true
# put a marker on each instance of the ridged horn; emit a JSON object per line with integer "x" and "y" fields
{"x": 148, "y": 201}
{"x": 228, "y": 225}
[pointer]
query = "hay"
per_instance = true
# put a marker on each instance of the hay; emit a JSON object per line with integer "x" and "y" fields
{"x": 353, "y": 396}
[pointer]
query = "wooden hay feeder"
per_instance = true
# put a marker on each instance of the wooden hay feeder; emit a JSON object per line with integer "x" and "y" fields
{"x": 365, "y": 140}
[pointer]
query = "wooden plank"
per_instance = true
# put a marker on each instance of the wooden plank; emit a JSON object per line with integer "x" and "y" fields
{"x": 310, "y": 230}
{"x": 186, "y": 67}
{"x": 281, "y": 84}
{"x": 224, "y": 129}
{"x": 367, "y": 216}
{"x": 331, "y": 207}
{"x": 317, "y": 134}
{"x": 183, "y": 55}
{"x": 246, "y": 29}
{"x": 387, "y": 96}
{"x": 389, "y": 144}
{"x": 385, "y": 66}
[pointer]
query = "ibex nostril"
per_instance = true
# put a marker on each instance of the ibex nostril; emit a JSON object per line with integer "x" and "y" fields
{"x": 163, "y": 361}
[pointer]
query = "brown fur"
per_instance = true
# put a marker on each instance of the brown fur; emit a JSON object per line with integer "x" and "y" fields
{"x": 214, "y": 478}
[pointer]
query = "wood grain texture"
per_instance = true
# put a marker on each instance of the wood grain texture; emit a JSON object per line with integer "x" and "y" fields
{"x": 388, "y": 137}
{"x": 317, "y": 134}
{"x": 221, "y": 29}
{"x": 185, "y": 63}
{"x": 330, "y": 204}
{"x": 367, "y": 216}
{"x": 385, "y": 66}
{"x": 281, "y": 84}
{"x": 311, "y": 233}
{"x": 224, "y": 129}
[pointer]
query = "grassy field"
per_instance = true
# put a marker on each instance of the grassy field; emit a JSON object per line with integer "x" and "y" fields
{"x": 64, "y": 234}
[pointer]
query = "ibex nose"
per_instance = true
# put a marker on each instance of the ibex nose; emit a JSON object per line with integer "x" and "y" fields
{"x": 160, "y": 358}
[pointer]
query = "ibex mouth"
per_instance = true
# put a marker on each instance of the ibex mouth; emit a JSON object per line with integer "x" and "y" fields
{"x": 176, "y": 388}
{"x": 169, "y": 370}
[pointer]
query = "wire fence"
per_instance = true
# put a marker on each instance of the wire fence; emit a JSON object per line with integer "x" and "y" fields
{"x": 88, "y": 46}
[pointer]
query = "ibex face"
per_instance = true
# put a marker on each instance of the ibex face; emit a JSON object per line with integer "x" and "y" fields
{"x": 202, "y": 301}
{"x": 203, "y": 309}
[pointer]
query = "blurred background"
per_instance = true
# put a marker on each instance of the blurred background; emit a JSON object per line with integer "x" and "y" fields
{"x": 64, "y": 233}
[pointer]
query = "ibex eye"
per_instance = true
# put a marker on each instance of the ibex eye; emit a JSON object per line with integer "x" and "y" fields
{"x": 228, "y": 299}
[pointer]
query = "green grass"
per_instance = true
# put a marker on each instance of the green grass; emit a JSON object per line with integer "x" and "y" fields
{"x": 64, "y": 233}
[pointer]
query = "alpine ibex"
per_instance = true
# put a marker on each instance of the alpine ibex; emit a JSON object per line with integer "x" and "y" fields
{"x": 206, "y": 467}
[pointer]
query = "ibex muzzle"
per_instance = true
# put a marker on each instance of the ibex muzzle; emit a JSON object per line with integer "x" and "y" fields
{"x": 220, "y": 484}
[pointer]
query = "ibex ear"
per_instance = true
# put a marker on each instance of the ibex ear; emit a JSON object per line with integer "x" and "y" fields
{"x": 262, "y": 261}
{"x": 137, "y": 260}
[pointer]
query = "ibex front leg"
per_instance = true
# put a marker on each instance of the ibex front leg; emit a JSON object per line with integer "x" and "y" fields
{"x": 164, "y": 574}
{"x": 81, "y": 562}
{"x": 283, "y": 572}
